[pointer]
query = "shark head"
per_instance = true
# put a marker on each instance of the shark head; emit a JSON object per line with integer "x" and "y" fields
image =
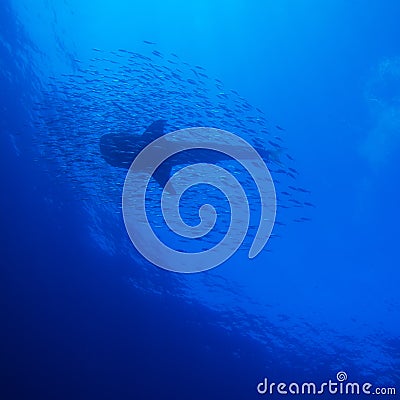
{"x": 119, "y": 150}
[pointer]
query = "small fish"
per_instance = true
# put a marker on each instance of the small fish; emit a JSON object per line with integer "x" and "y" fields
{"x": 148, "y": 42}
{"x": 274, "y": 144}
{"x": 176, "y": 76}
{"x": 260, "y": 111}
{"x": 280, "y": 223}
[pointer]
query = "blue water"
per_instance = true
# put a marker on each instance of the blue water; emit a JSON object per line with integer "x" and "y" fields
{"x": 83, "y": 315}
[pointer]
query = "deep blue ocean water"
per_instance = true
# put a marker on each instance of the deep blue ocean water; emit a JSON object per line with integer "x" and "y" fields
{"x": 83, "y": 315}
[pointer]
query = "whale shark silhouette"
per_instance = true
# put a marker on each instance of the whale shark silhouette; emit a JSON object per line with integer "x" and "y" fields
{"x": 120, "y": 149}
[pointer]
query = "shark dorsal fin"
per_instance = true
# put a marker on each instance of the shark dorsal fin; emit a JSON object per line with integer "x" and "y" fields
{"x": 155, "y": 130}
